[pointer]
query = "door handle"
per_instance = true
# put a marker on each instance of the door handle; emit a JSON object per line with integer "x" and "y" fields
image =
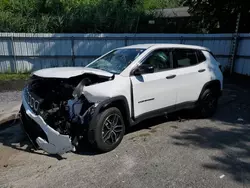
{"x": 171, "y": 76}
{"x": 202, "y": 70}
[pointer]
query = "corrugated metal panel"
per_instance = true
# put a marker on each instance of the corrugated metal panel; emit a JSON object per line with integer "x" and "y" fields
{"x": 31, "y": 64}
{"x": 222, "y": 61}
{"x": 28, "y": 51}
{"x": 40, "y": 47}
{"x": 243, "y": 47}
{"x": 96, "y": 47}
{"x": 83, "y": 61}
{"x": 5, "y": 64}
{"x": 5, "y": 47}
{"x": 242, "y": 66}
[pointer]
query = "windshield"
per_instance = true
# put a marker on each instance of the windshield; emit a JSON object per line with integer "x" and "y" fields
{"x": 117, "y": 60}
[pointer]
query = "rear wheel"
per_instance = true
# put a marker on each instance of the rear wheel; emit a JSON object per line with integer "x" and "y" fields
{"x": 208, "y": 103}
{"x": 109, "y": 130}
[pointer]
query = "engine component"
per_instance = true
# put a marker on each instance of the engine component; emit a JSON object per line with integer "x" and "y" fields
{"x": 63, "y": 108}
{"x": 75, "y": 107}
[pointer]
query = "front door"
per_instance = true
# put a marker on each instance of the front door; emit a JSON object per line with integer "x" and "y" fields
{"x": 157, "y": 90}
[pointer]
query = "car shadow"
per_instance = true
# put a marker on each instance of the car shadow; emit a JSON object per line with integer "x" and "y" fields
{"x": 228, "y": 132}
{"x": 180, "y": 116}
{"x": 12, "y": 135}
{"x": 233, "y": 143}
{"x": 86, "y": 149}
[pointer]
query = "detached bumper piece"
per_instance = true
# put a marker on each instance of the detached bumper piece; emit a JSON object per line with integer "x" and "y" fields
{"x": 31, "y": 128}
{"x": 41, "y": 134}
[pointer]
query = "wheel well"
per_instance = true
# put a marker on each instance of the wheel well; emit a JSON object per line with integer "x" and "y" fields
{"x": 213, "y": 85}
{"x": 121, "y": 105}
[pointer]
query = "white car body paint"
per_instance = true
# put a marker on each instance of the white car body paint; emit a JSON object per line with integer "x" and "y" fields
{"x": 215, "y": 73}
{"x": 150, "y": 48}
{"x": 119, "y": 86}
{"x": 186, "y": 86}
{"x": 144, "y": 93}
{"x": 68, "y": 72}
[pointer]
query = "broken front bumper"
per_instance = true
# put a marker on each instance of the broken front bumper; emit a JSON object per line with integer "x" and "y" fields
{"x": 41, "y": 134}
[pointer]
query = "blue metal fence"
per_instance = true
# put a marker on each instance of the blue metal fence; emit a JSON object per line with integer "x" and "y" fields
{"x": 22, "y": 52}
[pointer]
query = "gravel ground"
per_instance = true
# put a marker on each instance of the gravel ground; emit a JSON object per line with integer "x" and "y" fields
{"x": 10, "y": 102}
{"x": 157, "y": 153}
{"x": 9, "y": 96}
{"x": 12, "y": 85}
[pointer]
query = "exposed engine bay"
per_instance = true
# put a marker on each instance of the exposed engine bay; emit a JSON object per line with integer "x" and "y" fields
{"x": 61, "y": 103}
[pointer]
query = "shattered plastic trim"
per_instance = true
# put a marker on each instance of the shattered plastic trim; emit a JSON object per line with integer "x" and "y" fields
{"x": 90, "y": 110}
{"x": 58, "y": 143}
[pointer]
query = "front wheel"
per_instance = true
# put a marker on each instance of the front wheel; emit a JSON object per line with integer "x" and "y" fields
{"x": 208, "y": 103}
{"x": 109, "y": 130}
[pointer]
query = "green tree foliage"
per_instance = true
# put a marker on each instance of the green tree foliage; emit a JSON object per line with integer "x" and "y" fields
{"x": 219, "y": 15}
{"x": 75, "y": 15}
{"x": 158, "y": 4}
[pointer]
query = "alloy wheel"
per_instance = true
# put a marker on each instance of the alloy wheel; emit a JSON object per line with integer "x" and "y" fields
{"x": 112, "y": 129}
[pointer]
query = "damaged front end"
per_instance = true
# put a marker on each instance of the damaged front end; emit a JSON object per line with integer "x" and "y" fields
{"x": 55, "y": 114}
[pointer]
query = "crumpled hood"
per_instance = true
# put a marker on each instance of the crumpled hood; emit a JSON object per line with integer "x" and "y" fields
{"x": 68, "y": 72}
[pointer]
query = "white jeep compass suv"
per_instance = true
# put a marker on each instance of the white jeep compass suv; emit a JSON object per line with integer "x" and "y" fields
{"x": 61, "y": 106}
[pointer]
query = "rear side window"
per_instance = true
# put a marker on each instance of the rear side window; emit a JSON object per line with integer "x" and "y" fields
{"x": 200, "y": 56}
{"x": 213, "y": 55}
{"x": 184, "y": 58}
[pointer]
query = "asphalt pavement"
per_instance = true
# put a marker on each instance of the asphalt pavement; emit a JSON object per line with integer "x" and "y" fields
{"x": 178, "y": 151}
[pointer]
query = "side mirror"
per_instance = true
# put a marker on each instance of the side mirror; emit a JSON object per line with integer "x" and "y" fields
{"x": 143, "y": 69}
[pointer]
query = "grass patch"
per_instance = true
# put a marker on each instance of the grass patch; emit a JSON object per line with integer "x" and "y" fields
{"x": 14, "y": 76}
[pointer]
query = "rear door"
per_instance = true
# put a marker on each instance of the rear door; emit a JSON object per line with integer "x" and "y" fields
{"x": 191, "y": 75}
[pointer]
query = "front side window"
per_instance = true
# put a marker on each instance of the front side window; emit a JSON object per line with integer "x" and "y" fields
{"x": 184, "y": 58}
{"x": 117, "y": 60}
{"x": 160, "y": 60}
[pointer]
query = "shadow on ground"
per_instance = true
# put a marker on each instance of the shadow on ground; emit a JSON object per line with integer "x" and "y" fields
{"x": 230, "y": 135}
{"x": 14, "y": 137}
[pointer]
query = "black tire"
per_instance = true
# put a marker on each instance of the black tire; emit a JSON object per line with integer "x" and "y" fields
{"x": 99, "y": 141}
{"x": 208, "y": 103}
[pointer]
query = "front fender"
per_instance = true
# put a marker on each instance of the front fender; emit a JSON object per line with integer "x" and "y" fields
{"x": 103, "y": 105}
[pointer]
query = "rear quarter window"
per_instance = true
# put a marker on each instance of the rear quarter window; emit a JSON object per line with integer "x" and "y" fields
{"x": 201, "y": 57}
{"x": 211, "y": 53}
